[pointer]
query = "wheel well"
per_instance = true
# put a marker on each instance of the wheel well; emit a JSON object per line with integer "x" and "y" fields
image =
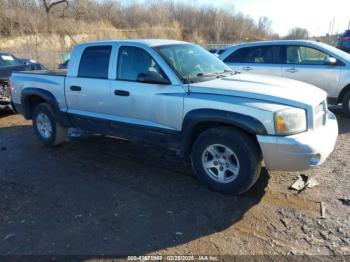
{"x": 31, "y": 102}
{"x": 342, "y": 93}
{"x": 201, "y": 127}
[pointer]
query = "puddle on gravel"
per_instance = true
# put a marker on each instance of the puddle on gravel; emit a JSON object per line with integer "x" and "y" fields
{"x": 266, "y": 222}
{"x": 291, "y": 201}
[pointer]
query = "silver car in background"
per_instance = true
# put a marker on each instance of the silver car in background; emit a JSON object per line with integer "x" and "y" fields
{"x": 312, "y": 62}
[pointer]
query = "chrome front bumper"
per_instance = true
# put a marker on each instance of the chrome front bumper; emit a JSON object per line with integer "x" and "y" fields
{"x": 302, "y": 151}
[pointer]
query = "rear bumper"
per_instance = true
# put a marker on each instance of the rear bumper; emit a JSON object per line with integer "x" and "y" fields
{"x": 302, "y": 151}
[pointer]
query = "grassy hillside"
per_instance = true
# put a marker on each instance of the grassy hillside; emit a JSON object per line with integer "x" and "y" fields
{"x": 28, "y": 29}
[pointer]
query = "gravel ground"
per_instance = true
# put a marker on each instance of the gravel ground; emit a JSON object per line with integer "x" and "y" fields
{"x": 103, "y": 196}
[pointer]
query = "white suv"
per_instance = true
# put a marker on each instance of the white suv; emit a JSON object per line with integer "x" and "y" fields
{"x": 312, "y": 62}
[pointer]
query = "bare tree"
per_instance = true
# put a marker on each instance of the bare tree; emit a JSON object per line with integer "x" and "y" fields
{"x": 48, "y": 5}
{"x": 264, "y": 26}
{"x": 297, "y": 33}
{"x": 151, "y": 18}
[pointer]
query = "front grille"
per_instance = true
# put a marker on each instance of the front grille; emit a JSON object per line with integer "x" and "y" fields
{"x": 320, "y": 114}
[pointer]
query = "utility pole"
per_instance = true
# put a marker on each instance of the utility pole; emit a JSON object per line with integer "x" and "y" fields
{"x": 333, "y": 25}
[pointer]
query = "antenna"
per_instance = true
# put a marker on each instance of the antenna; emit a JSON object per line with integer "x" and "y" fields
{"x": 188, "y": 85}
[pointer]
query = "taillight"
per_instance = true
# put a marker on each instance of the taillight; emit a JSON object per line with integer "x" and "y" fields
{"x": 345, "y": 38}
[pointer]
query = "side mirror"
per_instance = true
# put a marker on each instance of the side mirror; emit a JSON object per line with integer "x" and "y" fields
{"x": 152, "y": 78}
{"x": 330, "y": 60}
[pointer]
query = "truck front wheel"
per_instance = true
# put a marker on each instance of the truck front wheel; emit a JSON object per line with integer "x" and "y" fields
{"x": 226, "y": 160}
{"x": 46, "y": 128}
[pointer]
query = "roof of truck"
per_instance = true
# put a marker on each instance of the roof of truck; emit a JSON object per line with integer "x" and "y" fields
{"x": 147, "y": 42}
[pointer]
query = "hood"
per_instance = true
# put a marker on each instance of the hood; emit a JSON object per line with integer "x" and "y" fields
{"x": 268, "y": 88}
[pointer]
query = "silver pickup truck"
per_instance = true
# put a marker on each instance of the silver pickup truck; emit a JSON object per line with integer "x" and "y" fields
{"x": 178, "y": 95}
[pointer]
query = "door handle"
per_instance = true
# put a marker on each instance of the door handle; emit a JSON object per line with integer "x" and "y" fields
{"x": 292, "y": 70}
{"x": 247, "y": 68}
{"x": 75, "y": 88}
{"x": 121, "y": 93}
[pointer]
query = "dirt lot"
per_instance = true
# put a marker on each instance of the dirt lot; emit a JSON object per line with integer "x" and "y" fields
{"x": 103, "y": 196}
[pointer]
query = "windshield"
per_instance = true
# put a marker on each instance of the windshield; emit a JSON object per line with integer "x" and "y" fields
{"x": 193, "y": 63}
{"x": 336, "y": 51}
{"x": 8, "y": 60}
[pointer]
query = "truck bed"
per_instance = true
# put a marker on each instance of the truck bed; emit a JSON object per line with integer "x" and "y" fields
{"x": 60, "y": 72}
{"x": 52, "y": 81}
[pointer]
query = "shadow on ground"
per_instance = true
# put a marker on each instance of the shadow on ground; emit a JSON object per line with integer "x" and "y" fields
{"x": 105, "y": 196}
{"x": 6, "y": 112}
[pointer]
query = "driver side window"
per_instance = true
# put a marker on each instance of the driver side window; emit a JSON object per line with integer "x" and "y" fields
{"x": 133, "y": 61}
{"x": 305, "y": 56}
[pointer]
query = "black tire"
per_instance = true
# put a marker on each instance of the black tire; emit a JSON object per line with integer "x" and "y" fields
{"x": 58, "y": 134}
{"x": 246, "y": 151}
{"x": 346, "y": 104}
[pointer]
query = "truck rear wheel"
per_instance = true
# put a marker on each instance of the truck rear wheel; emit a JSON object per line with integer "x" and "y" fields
{"x": 346, "y": 104}
{"x": 46, "y": 128}
{"x": 226, "y": 160}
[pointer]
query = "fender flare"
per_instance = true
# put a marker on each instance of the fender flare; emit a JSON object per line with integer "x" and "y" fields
{"x": 29, "y": 92}
{"x": 201, "y": 116}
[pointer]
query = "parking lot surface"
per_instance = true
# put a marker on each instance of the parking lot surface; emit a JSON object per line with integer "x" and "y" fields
{"x": 105, "y": 196}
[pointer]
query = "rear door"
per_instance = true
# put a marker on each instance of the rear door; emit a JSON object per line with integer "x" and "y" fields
{"x": 307, "y": 64}
{"x": 87, "y": 94}
{"x": 256, "y": 60}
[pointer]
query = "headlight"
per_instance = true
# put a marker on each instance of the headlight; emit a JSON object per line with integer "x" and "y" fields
{"x": 290, "y": 121}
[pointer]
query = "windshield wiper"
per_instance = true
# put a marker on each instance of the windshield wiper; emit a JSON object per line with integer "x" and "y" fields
{"x": 224, "y": 73}
{"x": 217, "y": 74}
{"x": 205, "y": 75}
{"x": 187, "y": 80}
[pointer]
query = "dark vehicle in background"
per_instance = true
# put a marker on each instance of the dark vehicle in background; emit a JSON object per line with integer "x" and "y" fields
{"x": 64, "y": 65}
{"x": 217, "y": 51}
{"x": 9, "y": 64}
{"x": 343, "y": 41}
{"x": 28, "y": 62}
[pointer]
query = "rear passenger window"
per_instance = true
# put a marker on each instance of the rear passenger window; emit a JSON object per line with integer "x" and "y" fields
{"x": 258, "y": 55}
{"x": 94, "y": 62}
{"x": 237, "y": 56}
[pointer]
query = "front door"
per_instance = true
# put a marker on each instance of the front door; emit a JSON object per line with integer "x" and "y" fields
{"x": 152, "y": 108}
{"x": 307, "y": 64}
